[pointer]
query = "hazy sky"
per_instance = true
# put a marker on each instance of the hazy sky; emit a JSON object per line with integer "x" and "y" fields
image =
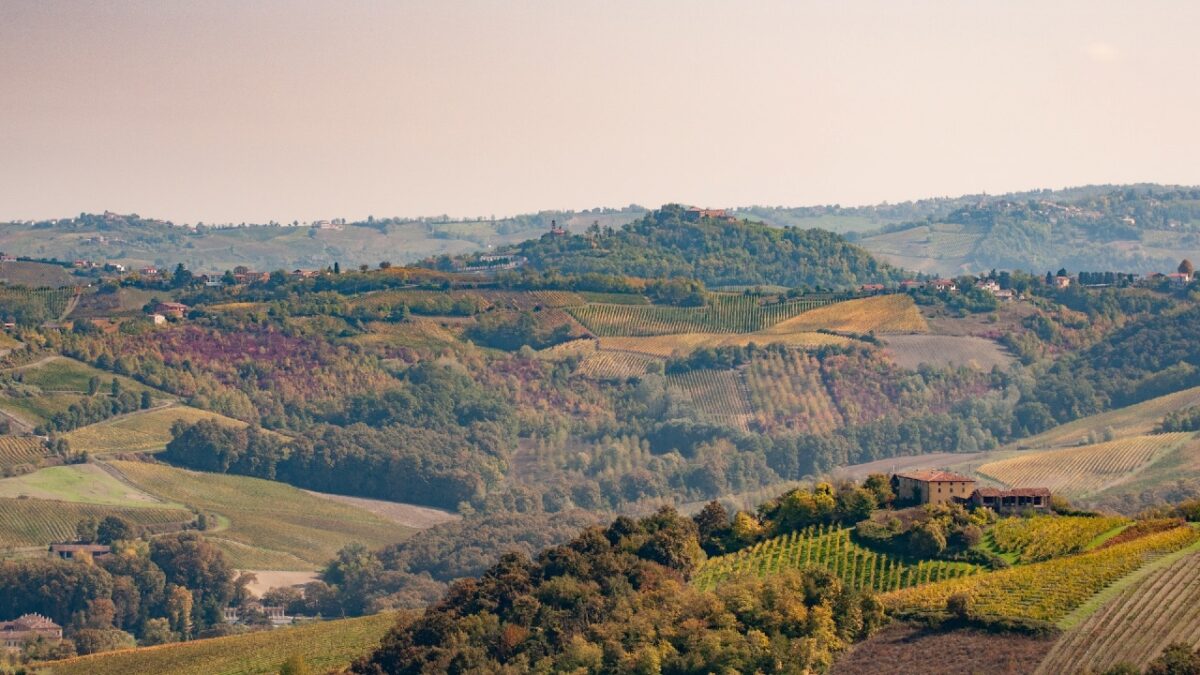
{"x": 295, "y": 109}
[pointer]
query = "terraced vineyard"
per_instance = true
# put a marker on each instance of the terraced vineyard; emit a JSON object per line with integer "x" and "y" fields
{"x": 1160, "y": 608}
{"x": 718, "y": 395}
{"x": 325, "y": 645}
{"x": 20, "y": 450}
{"x": 148, "y": 431}
{"x": 832, "y": 549}
{"x": 1045, "y": 537}
{"x": 724, "y": 314}
{"x": 1082, "y": 470}
{"x": 786, "y": 391}
{"x": 271, "y": 525}
{"x": 38, "y": 522}
{"x": 1045, "y": 591}
{"x": 880, "y": 314}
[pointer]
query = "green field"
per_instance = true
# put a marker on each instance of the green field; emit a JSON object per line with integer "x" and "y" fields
{"x": 271, "y": 525}
{"x": 36, "y": 409}
{"x": 326, "y": 645}
{"x": 85, "y": 483}
{"x": 63, "y": 374}
{"x": 147, "y": 431}
{"x": 725, "y": 313}
{"x": 40, "y": 522}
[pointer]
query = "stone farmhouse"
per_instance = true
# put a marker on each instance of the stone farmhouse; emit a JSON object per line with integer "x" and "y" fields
{"x": 28, "y": 628}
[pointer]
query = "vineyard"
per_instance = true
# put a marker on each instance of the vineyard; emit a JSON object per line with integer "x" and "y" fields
{"x": 786, "y": 391}
{"x": 718, "y": 396}
{"x": 832, "y": 549}
{"x": 148, "y": 431}
{"x": 268, "y": 521}
{"x": 723, "y": 314}
{"x": 325, "y": 645}
{"x": 614, "y": 365}
{"x": 880, "y": 314}
{"x": 1156, "y": 610}
{"x": 29, "y": 305}
{"x": 1085, "y": 469}
{"x": 38, "y": 522}
{"x": 684, "y": 343}
{"x": 16, "y": 451}
{"x": 1044, "y": 537}
{"x": 1045, "y": 591}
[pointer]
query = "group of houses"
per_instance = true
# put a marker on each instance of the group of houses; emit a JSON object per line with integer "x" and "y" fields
{"x": 930, "y": 486}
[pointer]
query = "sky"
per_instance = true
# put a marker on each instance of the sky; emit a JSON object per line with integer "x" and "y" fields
{"x": 232, "y": 111}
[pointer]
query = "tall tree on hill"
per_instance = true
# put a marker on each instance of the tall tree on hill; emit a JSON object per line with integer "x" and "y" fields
{"x": 1185, "y": 267}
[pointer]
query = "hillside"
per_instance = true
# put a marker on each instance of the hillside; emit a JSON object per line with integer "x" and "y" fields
{"x": 1138, "y": 229}
{"x": 137, "y": 242}
{"x": 670, "y": 243}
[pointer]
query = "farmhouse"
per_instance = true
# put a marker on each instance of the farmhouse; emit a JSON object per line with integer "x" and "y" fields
{"x": 944, "y": 285}
{"x": 70, "y": 551}
{"x": 1010, "y": 501}
{"x": 1062, "y": 282}
{"x": 172, "y": 309}
{"x": 931, "y": 486}
{"x": 26, "y": 628}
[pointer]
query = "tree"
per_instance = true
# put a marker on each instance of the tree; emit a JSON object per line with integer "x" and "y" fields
{"x": 179, "y": 610}
{"x": 158, "y": 632}
{"x": 86, "y": 530}
{"x": 1185, "y": 267}
{"x": 1177, "y": 659}
{"x": 113, "y": 528}
{"x": 93, "y": 385}
{"x": 147, "y": 401}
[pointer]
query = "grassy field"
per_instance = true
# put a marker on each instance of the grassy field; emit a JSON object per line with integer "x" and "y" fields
{"x": 664, "y": 346}
{"x": 18, "y": 451}
{"x": 148, "y": 431}
{"x": 1086, "y": 469}
{"x": 63, "y": 374}
{"x": 35, "y": 274}
{"x": 85, "y": 483}
{"x": 8, "y": 342}
{"x": 1046, "y": 591}
{"x": 326, "y": 645}
{"x": 1133, "y": 420}
{"x": 833, "y": 550}
{"x": 36, "y": 408}
{"x": 271, "y": 525}
{"x": 1157, "y": 608}
{"x": 39, "y": 522}
{"x": 615, "y": 365}
{"x": 881, "y": 314}
{"x": 910, "y": 351}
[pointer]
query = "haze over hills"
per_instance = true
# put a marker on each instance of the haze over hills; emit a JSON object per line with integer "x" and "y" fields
{"x": 1137, "y": 228}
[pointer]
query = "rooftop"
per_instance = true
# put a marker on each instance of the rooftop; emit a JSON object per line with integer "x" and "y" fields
{"x": 1015, "y": 492}
{"x": 935, "y": 476}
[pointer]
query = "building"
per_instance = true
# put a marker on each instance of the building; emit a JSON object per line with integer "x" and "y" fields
{"x": 944, "y": 285}
{"x": 1005, "y": 294}
{"x": 172, "y": 309}
{"x": 991, "y": 286}
{"x": 27, "y": 628}
{"x": 1012, "y": 501}
{"x": 275, "y": 614}
{"x": 158, "y": 319}
{"x": 1179, "y": 278}
{"x": 70, "y": 551}
{"x": 872, "y": 288}
{"x": 1062, "y": 282}
{"x": 910, "y": 285}
{"x": 931, "y": 486}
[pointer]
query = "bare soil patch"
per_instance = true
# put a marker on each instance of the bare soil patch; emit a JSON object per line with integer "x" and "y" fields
{"x": 905, "y": 649}
{"x": 409, "y": 515}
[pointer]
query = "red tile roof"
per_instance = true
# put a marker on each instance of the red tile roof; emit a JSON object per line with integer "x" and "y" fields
{"x": 936, "y": 476}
